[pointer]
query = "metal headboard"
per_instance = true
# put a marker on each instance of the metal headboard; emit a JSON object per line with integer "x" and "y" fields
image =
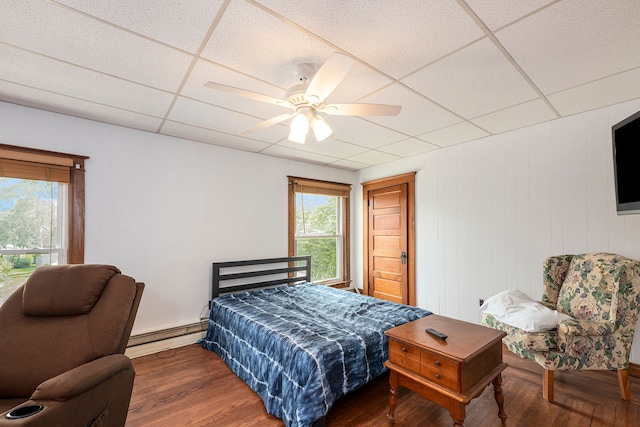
{"x": 256, "y": 276}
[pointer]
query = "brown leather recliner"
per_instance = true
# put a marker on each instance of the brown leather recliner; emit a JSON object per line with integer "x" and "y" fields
{"x": 62, "y": 340}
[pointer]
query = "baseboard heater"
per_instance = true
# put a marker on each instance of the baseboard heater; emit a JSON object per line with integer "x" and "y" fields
{"x": 164, "y": 339}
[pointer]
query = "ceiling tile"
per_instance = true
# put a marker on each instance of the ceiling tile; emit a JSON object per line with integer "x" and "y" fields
{"x": 349, "y": 165}
{"x": 80, "y": 40}
{"x": 526, "y": 114}
{"x": 573, "y": 42}
{"x": 207, "y": 116}
{"x": 58, "y": 77}
{"x": 418, "y": 115}
{"x": 498, "y": 13}
{"x": 473, "y": 81}
{"x": 373, "y": 157}
{"x": 270, "y": 53}
{"x": 194, "y": 133}
{"x": 609, "y": 90}
{"x": 408, "y": 147}
{"x": 290, "y": 153}
{"x": 44, "y": 100}
{"x": 394, "y": 38}
{"x": 330, "y": 147}
{"x": 462, "y": 132}
{"x": 361, "y": 132}
{"x": 179, "y": 23}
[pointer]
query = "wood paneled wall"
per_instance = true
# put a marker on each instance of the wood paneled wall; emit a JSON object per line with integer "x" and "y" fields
{"x": 489, "y": 212}
{"x": 506, "y": 203}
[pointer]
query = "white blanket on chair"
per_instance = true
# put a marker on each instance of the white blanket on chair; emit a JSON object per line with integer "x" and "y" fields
{"x": 517, "y": 309}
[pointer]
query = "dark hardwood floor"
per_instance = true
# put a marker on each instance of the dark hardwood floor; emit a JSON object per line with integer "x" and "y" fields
{"x": 190, "y": 386}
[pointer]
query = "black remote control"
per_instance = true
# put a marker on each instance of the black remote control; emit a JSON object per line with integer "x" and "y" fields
{"x": 437, "y": 334}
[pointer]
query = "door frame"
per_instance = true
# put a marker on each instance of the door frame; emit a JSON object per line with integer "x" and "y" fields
{"x": 409, "y": 179}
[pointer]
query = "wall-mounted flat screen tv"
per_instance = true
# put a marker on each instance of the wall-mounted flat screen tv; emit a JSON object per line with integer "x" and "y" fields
{"x": 626, "y": 164}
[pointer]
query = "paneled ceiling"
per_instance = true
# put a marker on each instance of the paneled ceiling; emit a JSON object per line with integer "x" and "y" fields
{"x": 460, "y": 69}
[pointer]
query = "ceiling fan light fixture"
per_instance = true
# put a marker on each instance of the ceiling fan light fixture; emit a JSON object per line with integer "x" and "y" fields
{"x": 300, "y": 124}
{"x": 297, "y": 137}
{"x": 309, "y": 97}
{"x": 299, "y": 128}
{"x": 321, "y": 129}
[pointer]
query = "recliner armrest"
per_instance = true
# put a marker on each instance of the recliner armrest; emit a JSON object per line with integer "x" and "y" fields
{"x": 96, "y": 393}
{"x": 578, "y": 327}
{"x": 82, "y": 378}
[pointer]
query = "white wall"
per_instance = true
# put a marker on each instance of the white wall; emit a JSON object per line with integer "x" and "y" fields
{"x": 489, "y": 212}
{"x": 163, "y": 209}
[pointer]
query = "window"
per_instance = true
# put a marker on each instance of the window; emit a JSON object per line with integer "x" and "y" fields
{"x": 41, "y": 213}
{"x": 319, "y": 226}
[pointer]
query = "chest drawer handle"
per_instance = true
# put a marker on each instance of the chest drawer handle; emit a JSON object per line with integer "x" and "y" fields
{"x": 437, "y": 376}
{"x": 404, "y": 349}
{"x": 438, "y": 363}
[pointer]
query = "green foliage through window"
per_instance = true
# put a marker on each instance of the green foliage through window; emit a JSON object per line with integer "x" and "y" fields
{"x": 318, "y": 233}
{"x": 323, "y": 253}
{"x": 30, "y": 229}
{"x": 27, "y": 213}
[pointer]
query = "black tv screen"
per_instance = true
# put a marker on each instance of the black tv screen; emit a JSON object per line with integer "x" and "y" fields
{"x": 626, "y": 164}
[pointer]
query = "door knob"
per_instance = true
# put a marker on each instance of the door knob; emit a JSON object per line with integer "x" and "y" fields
{"x": 403, "y": 257}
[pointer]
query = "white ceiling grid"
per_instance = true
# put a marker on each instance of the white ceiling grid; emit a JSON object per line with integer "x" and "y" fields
{"x": 460, "y": 69}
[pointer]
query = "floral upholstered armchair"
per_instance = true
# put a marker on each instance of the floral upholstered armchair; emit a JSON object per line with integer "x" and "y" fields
{"x": 601, "y": 294}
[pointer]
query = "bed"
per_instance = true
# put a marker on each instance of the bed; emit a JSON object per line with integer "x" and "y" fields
{"x": 300, "y": 346}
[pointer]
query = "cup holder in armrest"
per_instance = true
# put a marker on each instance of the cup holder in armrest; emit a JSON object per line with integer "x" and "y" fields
{"x": 23, "y": 412}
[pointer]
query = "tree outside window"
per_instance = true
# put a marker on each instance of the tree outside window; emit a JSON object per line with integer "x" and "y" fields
{"x": 32, "y": 229}
{"x": 318, "y": 234}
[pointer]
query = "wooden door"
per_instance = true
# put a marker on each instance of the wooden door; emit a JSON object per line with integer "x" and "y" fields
{"x": 389, "y": 241}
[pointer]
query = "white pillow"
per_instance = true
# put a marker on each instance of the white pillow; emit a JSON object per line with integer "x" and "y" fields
{"x": 517, "y": 309}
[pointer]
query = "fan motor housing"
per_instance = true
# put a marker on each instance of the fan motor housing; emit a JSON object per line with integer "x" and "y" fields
{"x": 296, "y": 94}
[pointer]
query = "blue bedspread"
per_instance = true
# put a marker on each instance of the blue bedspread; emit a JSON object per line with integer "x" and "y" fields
{"x": 302, "y": 347}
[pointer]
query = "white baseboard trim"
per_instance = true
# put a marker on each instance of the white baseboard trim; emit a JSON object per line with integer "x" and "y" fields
{"x": 166, "y": 344}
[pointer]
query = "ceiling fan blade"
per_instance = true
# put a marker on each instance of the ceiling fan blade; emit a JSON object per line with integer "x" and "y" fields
{"x": 328, "y": 77}
{"x": 362, "y": 109}
{"x": 247, "y": 94}
{"x": 270, "y": 122}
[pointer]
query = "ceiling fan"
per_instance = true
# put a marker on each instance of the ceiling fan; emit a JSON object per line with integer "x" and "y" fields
{"x": 307, "y": 99}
